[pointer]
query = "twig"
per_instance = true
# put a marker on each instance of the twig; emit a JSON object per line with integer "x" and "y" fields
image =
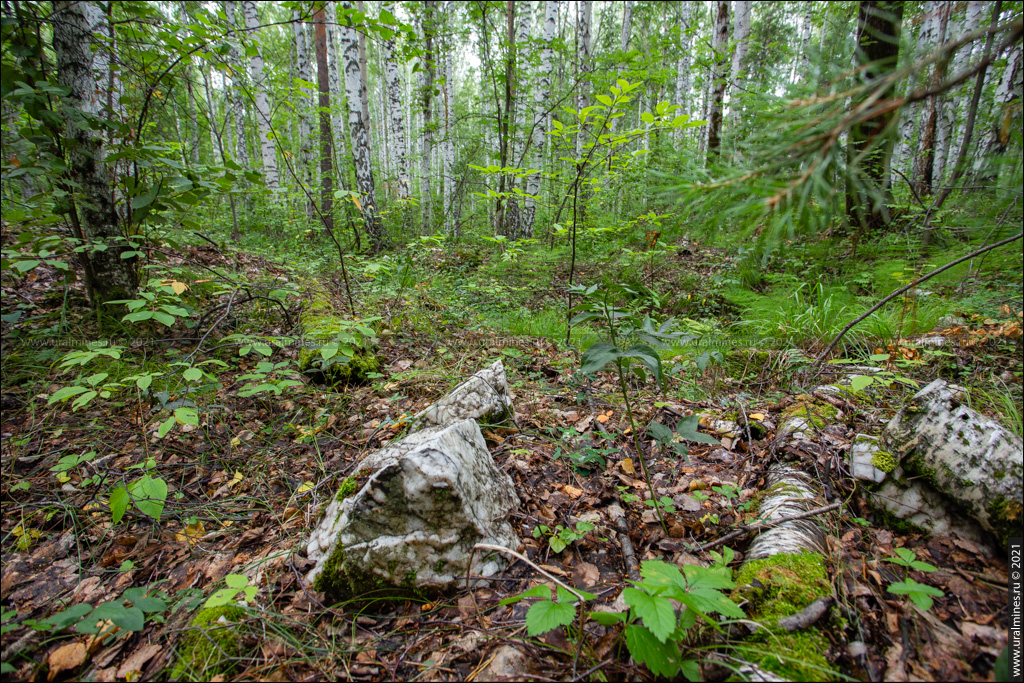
{"x": 768, "y": 525}
{"x": 828, "y": 349}
{"x": 807, "y": 616}
{"x": 513, "y": 553}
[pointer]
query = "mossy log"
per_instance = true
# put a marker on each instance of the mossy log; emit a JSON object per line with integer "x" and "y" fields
{"x": 209, "y": 649}
{"x": 351, "y": 359}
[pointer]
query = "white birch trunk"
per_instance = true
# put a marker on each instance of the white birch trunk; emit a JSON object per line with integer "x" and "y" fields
{"x": 393, "y": 80}
{"x": 337, "y": 97}
{"x": 267, "y": 146}
{"x": 944, "y": 125}
{"x": 541, "y": 95}
{"x": 584, "y": 9}
{"x": 236, "y": 93}
{"x": 741, "y": 22}
{"x": 720, "y": 75}
{"x": 359, "y": 136}
{"x": 683, "y": 69}
{"x": 426, "y": 138}
{"x": 517, "y": 145}
{"x": 448, "y": 146}
{"x": 303, "y": 94}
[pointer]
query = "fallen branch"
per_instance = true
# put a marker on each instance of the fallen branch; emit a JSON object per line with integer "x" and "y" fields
{"x": 513, "y": 553}
{"x": 807, "y": 616}
{"x": 828, "y": 349}
{"x": 743, "y": 530}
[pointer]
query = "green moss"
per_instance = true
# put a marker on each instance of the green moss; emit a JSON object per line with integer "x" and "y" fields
{"x": 884, "y": 460}
{"x": 347, "y": 488}
{"x": 354, "y": 361}
{"x": 818, "y": 414}
{"x": 342, "y": 580}
{"x": 1005, "y": 516}
{"x": 208, "y": 649}
{"x": 791, "y": 581}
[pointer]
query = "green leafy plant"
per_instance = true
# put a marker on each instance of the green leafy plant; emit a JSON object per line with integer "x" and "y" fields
{"x": 559, "y": 538}
{"x": 551, "y": 612}
{"x": 686, "y": 429}
{"x": 129, "y": 613}
{"x": 920, "y": 594}
{"x": 148, "y": 494}
{"x": 236, "y": 584}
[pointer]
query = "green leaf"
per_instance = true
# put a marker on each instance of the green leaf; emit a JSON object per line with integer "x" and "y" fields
{"x": 597, "y": 356}
{"x": 149, "y": 494}
{"x": 127, "y": 618}
{"x": 658, "y": 573}
{"x": 709, "y": 600}
{"x": 557, "y": 544}
{"x": 238, "y": 581}
{"x": 607, "y": 618}
{"x": 187, "y": 416}
{"x": 166, "y": 426}
{"x": 647, "y": 117}
{"x": 656, "y": 612}
{"x": 687, "y": 429}
{"x": 65, "y": 393}
{"x": 192, "y": 374}
{"x": 545, "y": 616}
{"x": 648, "y": 356}
{"x": 25, "y": 266}
{"x": 861, "y": 382}
{"x": 118, "y": 503}
{"x": 71, "y": 615}
{"x": 921, "y": 594}
{"x": 144, "y": 382}
{"x": 138, "y": 316}
{"x": 535, "y": 592}
{"x": 164, "y": 318}
{"x": 662, "y": 658}
{"x": 150, "y": 604}
{"x": 329, "y": 350}
{"x": 660, "y": 432}
{"x": 690, "y": 669}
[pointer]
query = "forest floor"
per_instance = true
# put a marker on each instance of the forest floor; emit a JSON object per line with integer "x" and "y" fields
{"x": 246, "y": 484}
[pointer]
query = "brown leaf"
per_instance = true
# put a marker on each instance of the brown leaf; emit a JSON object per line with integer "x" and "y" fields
{"x": 137, "y": 660}
{"x": 572, "y": 491}
{"x": 627, "y": 466}
{"x": 65, "y": 658}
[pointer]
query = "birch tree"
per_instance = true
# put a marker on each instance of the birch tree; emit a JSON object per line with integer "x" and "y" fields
{"x": 541, "y": 95}
{"x": 719, "y": 76}
{"x": 393, "y": 79}
{"x": 359, "y": 136}
{"x": 337, "y": 96}
{"x": 513, "y": 215}
{"x": 304, "y": 71}
{"x": 584, "y": 61}
{"x": 267, "y": 146}
{"x": 426, "y": 93}
{"x": 741, "y": 35}
{"x": 683, "y": 67}
{"x": 236, "y": 92}
{"x": 108, "y": 276}
{"x": 188, "y": 70}
{"x": 925, "y": 163}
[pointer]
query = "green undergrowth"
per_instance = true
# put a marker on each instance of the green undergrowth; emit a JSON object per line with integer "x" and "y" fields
{"x": 208, "y": 649}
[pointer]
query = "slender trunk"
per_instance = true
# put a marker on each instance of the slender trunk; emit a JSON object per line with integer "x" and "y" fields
{"x": 236, "y": 92}
{"x": 267, "y": 146}
{"x": 304, "y": 70}
{"x": 393, "y": 78}
{"x": 925, "y": 171}
{"x": 541, "y": 95}
{"x": 742, "y": 38}
{"x": 359, "y": 137}
{"x": 683, "y": 69}
{"x": 1006, "y": 106}
{"x": 109, "y": 277}
{"x": 323, "y": 81}
{"x": 427, "y": 130}
{"x": 193, "y": 118}
{"x": 337, "y": 97}
{"x": 517, "y": 142}
{"x": 945, "y": 110}
{"x": 720, "y": 47}
{"x": 586, "y": 66}
{"x": 878, "y": 40}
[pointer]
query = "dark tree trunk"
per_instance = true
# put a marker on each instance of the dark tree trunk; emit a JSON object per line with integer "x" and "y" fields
{"x": 326, "y": 149}
{"x": 870, "y": 148}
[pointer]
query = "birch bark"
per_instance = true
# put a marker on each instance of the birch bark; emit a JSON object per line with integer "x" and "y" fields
{"x": 359, "y": 137}
{"x": 719, "y": 76}
{"x": 541, "y": 95}
{"x": 683, "y": 69}
{"x": 393, "y": 78}
{"x": 268, "y": 150}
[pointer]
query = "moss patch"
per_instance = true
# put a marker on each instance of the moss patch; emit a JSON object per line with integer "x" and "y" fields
{"x": 343, "y": 580}
{"x": 791, "y": 583}
{"x": 884, "y": 460}
{"x": 818, "y": 414}
{"x": 354, "y": 361}
{"x": 207, "y": 650}
{"x": 347, "y": 488}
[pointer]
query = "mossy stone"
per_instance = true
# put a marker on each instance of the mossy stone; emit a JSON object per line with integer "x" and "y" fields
{"x": 210, "y": 647}
{"x": 884, "y": 460}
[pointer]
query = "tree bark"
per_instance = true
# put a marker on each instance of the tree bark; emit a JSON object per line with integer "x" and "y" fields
{"x": 267, "y": 147}
{"x": 541, "y": 95}
{"x": 869, "y": 149}
{"x": 323, "y": 81}
{"x": 236, "y": 92}
{"x": 337, "y": 98}
{"x": 393, "y": 78}
{"x": 935, "y": 124}
{"x": 427, "y": 132}
{"x": 108, "y": 276}
{"x": 741, "y": 33}
{"x": 359, "y": 136}
{"x": 517, "y": 143}
{"x": 720, "y": 47}
{"x": 304, "y": 70}
{"x": 683, "y": 69}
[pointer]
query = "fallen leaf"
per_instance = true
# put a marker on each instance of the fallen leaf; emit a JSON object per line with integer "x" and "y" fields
{"x": 132, "y": 667}
{"x": 65, "y": 658}
{"x": 756, "y": 416}
{"x": 627, "y": 466}
{"x": 572, "y": 491}
{"x": 552, "y": 569}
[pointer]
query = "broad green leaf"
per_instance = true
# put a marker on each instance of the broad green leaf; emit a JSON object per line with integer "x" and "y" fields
{"x": 861, "y": 382}
{"x": 144, "y": 382}
{"x": 656, "y": 612}
{"x": 545, "y": 616}
{"x": 658, "y": 573}
{"x": 687, "y": 429}
{"x": 238, "y": 581}
{"x": 151, "y": 604}
{"x": 647, "y": 117}
{"x": 690, "y": 669}
{"x": 118, "y": 503}
{"x": 598, "y": 356}
{"x": 535, "y": 592}
{"x": 138, "y": 316}
{"x": 607, "y": 618}
{"x": 192, "y": 374}
{"x": 663, "y": 659}
{"x": 69, "y": 616}
{"x": 187, "y": 416}
{"x": 163, "y": 318}
{"x": 65, "y": 393}
{"x": 166, "y": 426}
{"x": 329, "y": 350}
{"x": 660, "y": 432}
